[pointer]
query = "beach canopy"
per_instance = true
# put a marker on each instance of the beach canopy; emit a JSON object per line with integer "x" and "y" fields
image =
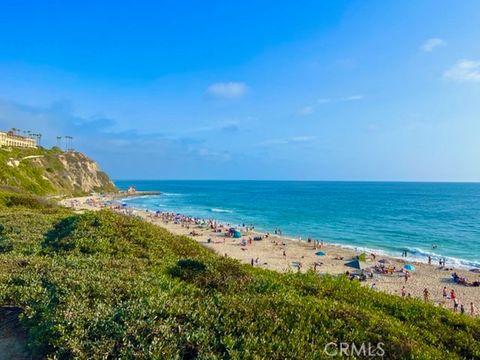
{"x": 409, "y": 267}
{"x": 320, "y": 253}
{"x": 237, "y": 234}
{"x": 356, "y": 264}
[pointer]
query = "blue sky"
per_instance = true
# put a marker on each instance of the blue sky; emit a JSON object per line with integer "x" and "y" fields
{"x": 322, "y": 90}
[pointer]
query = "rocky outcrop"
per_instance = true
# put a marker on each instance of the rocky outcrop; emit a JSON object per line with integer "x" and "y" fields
{"x": 74, "y": 173}
{"x": 53, "y": 172}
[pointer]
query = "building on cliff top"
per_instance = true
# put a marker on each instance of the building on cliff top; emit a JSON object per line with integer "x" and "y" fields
{"x": 10, "y": 139}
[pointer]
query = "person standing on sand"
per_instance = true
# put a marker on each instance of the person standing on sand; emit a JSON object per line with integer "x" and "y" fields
{"x": 462, "y": 309}
{"x": 452, "y": 295}
{"x": 472, "y": 309}
{"x": 444, "y": 293}
{"x": 403, "y": 291}
{"x": 284, "y": 253}
{"x": 429, "y": 260}
{"x": 455, "y": 305}
{"x": 406, "y": 276}
{"x": 425, "y": 295}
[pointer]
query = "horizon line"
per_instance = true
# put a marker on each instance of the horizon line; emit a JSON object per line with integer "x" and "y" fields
{"x": 295, "y": 180}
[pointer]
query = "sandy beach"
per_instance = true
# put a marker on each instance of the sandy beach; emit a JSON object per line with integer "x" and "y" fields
{"x": 282, "y": 254}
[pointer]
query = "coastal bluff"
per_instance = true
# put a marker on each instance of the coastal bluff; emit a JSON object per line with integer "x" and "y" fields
{"x": 52, "y": 172}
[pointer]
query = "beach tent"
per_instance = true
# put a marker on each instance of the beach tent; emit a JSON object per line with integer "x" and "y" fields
{"x": 237, "y": 234}
{"x": 320, "y": 253}
{"x": 409, "y": 267}
{"x": 356, "y": 264}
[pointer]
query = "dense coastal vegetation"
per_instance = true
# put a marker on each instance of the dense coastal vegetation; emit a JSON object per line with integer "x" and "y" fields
{"x": 101, "y": 284}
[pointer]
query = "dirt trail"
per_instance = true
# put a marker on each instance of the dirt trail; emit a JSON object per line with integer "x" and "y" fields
{"x": 13, "y": 342}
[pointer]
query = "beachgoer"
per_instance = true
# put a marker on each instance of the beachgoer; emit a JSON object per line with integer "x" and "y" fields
{"x": 406, "y": 276}
{"x": 284, "y": 253}
{"x": 409, "y": 295}
{"x": 429, "y": 259}
{"x": 472, "y": 309}
{"x": 452, "y": 294}
{"x": 374, "y": 286}
{"x": 444, "y": 292}
{"x": 455, "y": 305}
{"x": 425, "y": 294}
{"x": 403, "y": 291}
{"x": 462, "y": 309}
{"x": 251, "y": 262}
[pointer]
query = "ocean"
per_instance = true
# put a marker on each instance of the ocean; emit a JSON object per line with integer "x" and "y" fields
{"x": 385, "y": 217}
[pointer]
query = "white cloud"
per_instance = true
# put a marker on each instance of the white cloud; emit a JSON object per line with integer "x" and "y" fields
{"x": 286, "y": 141}
{"x": 431, "y": 44}
{"x": 208, "y": 154}
{"x": 464, "y": 70}
{"x": 228, "y": 89}
{"x": 227, "y": 125}
{"x": 354, "y": 97}
{"x": 302, "y": 138}
{"x": 323, "y": 100}
{"x": 307, "y": 110}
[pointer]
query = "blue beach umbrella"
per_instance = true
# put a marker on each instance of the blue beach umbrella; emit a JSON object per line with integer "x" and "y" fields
{"x": 320, "y": 253}
{"x": 409, "y": 267}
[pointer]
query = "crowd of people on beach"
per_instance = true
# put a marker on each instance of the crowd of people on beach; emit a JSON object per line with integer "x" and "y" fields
{"x": 382, "y": 267}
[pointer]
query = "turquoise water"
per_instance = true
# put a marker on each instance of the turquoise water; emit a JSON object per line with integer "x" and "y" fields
{"x": 384, "y": 216}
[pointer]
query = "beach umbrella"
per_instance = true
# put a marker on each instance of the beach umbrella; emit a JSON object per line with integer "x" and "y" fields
{"x": 356, "y": 264}
{"x": 409, "y": 267}
{"x": 320, "y": 253}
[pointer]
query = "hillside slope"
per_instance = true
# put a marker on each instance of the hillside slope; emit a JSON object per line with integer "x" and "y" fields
{"x": 103, "y": 285}
{"x": 52, "y": 172}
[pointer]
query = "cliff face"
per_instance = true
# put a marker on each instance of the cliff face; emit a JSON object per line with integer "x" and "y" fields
{"x": 52, "y": 172}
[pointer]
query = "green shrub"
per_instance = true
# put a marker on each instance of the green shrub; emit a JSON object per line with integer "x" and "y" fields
{"x": 103, "y": 285}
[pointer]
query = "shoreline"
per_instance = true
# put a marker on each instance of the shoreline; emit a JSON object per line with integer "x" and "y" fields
{"x": 419, "y": 255}
{"x": 280, "y": 253}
